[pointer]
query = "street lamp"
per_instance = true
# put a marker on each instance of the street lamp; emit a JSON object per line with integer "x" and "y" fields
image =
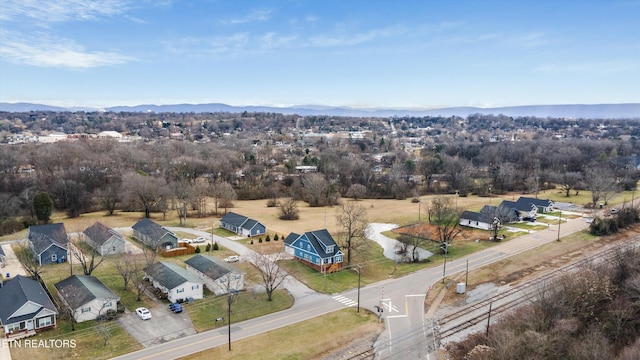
{"x": 358, "y": 271}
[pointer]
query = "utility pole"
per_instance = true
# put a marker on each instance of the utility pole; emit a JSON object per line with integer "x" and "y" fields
{"x": 559, "y": 221}
{"x": 358, "y": 271}
{"x": 489, "y": 318}
{"x": 444, "y": 268}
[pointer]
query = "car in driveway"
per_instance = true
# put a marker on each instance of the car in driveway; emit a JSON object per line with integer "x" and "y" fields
{"x": 199, "y": 239}
{"x": 188, "y": 241}
{"x": 175, "y": 307}
{"x": 143, "y": 313}
{"x": 232, "y": 258}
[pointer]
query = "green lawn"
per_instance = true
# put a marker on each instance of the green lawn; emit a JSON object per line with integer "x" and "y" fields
{"x": 246, "y": 305}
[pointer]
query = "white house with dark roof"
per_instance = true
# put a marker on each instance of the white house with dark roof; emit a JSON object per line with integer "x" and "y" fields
{"x": 104, "y": 240}
{"x": 316, "y": 249}
{"x": 176, "y": 282}
{"x": 25, "y": 308}
{"x": 242, "y": 225}
{"x": 218, "y": 276}
{"x": 477, "y": 220}
{"x": 49, "y": 243}
{"x": 86, "y": 296}
{"x": 3, "y": 257}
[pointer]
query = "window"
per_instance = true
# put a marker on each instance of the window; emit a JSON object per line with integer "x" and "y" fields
{"x": 54, "y": 257}
{"x": 195, "y": 287}
{"x": 12, "y": 327}
{"x": 108, "y": 304}
{"x": 330, "y": 249}
{"x": 42, "y": 322}
{"x": 180, "y": 290}
{"x": 85, "y": 310}
{"x": 238, "y": 277}
{"x": 113, "y": 249}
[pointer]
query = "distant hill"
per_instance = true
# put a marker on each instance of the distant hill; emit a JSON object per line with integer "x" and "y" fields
{"x": 592, "y": 111}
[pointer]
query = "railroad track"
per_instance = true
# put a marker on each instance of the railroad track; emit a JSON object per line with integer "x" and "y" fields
{"x": 367, "y": 354}
{"x": 476, "y": 313}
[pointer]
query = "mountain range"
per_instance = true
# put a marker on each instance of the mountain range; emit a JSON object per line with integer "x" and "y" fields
{"x": 590, "y": 111}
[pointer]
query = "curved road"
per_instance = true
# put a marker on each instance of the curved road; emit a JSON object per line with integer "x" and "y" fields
{"x": 402, "y": 300}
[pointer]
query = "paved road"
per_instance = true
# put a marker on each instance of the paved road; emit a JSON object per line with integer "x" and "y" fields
{"x": 402, "y": 299}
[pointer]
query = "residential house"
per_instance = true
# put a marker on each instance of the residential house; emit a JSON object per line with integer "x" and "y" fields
{"x": 506, "y": 215}
{"x": 3, "y": 257}
{"x": 48, "y": 243}
{"x": 154, "y": 235}
{"x": 242, "y": 225}
{"x": 218, "y": 276}
{"x": 522, "y": 211}
{"x": 316, "y": 249}
{"x": 176, "y": 282}
{"x": 104, "y": 240}
{"x": 86, "y": 296}
{"x": 477, "y": 220}
{"x": 543, "y": 205}
{"x": 25, "y": 307}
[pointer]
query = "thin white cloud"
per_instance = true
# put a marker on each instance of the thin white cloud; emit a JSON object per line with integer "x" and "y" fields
{"x": 602, "y": 67}
{"x": 253, "y": 15}
{"x": 44, "y": 50}
{"x": 51, "y": 11}
{"x": 346, "y": 39}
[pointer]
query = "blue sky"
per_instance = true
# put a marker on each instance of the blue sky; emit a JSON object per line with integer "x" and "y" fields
{"x": 400, "y": 54}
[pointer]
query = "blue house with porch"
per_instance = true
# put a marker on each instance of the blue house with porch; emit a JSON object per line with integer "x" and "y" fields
{"x": 317, "y": 249}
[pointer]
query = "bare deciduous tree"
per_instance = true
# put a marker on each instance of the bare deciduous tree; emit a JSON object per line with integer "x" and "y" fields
{"x": 289, "y": 209}
{"x": 272, "y": 275}
{"x": 413, "y": 241}
{"x": 223, "y": 195}
{"x": 352, "y": 219}
{"x": 356, "y": 191}
{"x": 29, "y": 263}
{"x": 443, "y": 214}
{"x": 78, "y": 246}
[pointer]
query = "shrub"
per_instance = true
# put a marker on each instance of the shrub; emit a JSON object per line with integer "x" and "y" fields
{"x": 215, "y": 246}
{"x": 198, "y": 249}
{"x": 275, "y": 237}
{"x": 207, "y": 248}
{"x": 260, "y": 240}
{"x": 251, "y": 242}
{"x": 267, "y": 239}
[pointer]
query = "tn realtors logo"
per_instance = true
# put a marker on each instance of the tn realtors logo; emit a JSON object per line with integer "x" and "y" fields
{"x": 38, "y": 344}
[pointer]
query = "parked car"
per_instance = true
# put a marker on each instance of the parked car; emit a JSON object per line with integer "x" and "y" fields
{"x": 143, "y": 313}
{"x": 232, "y": 258}
{"x": 175, "y": 307}
{"x": 199, "y": 239}
{"x": 188, "y": 241}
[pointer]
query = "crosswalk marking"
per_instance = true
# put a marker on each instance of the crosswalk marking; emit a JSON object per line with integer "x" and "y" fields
{"x": 345, "y": 300}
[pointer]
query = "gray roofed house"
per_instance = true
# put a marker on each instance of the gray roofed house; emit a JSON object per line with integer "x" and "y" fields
{"x": 176, "y": 282}
{"x": 476, "y": 220}
{"x": 3, "y": 257}
{"x": 86, "y": 296}
{"x": 104, "y": 240}
{"x": 25, "y": 307}
{"x": 49, "y": 243}
{"x": 543, "y": 205}
{"x": 154, "y": 235}
{"x": 218, "y": 276}
{"x": 315, "y": 248}
{"x": 521, "y": 210}
{"x": 242, "y": 225}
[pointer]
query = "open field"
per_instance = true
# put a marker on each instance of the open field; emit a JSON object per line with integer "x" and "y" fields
{"x": 330, "y": 332}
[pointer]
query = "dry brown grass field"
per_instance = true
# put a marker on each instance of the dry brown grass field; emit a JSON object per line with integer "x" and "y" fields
{"x": 401, "y": 212}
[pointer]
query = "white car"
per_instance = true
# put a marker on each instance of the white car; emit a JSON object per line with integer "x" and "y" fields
{"x": 143, "y": 313}
{"x": 232, "y": 258}
{"x": 188, "y": 241}
{"x": 199, "y": 239}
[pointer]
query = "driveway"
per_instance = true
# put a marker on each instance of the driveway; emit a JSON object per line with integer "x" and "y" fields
{"x": 163, "y": 326}
{"x": 374, "y": 233}
{"x": 11, "y": 264}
